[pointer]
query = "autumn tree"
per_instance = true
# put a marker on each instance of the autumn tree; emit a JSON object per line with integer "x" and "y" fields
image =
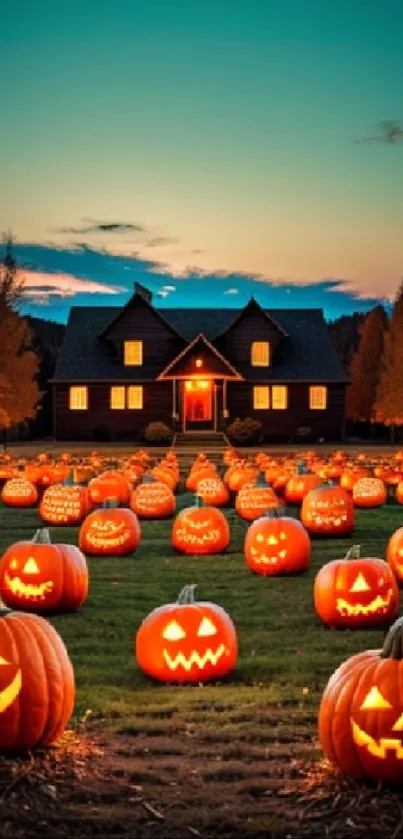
{"x": 19, "y": 393}
{"x": 365, "y": 367}
{"x": 389, "y": 398}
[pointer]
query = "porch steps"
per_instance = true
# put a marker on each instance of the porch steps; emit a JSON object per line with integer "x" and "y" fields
{"x": 201, "y": 440}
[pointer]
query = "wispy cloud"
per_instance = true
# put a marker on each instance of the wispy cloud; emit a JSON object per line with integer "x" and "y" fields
{"x": 391, "y": 134}
{"x": 231, "y": 291}
{"x": 160, "y": 241}
{"x": 91, "y": 226}
{"x": 41, "y": 285}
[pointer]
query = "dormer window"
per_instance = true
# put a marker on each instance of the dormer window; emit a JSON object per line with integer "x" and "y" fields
{"x": 260, "y": 354}
{"x": 133, "y": 353}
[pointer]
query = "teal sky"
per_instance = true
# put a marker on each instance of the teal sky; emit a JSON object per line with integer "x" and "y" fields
{"x": 228, "y": 131}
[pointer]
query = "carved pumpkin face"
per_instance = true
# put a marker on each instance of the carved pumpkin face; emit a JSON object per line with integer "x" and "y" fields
{"x": 328, "y": 511}
{"x": 213, "y": 491}
{"x": 356, "y": 592}
{"x": 278, "y": 545}
{"x": 252, "y": 501}
{"x": 200, "y": 530}
{"x": 61, "y": 504}
{"x": 19, "y": 492}
{"x": 10, "y": 683}
{"x": 110, "y": 532}
{"x": 364, "y": 734}
{"x": 187, "y": 642}
{"x": 369, "y": 492}
{"x": 154, "y": 500}
{"x": 40, "y": 577}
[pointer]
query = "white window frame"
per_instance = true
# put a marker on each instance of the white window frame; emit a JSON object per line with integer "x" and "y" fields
{"x": 318, "y": 397}
{"x": 78, "y": 398}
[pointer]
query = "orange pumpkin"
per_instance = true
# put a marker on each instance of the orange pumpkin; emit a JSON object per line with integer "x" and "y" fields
{"x": 19, "y": 492}
{"x": 360, "y": 720}
{"x": 253, "y": 500}
{"x": 300, "y": 484}
{"x": 187, "y": 641}
{"x": 328, "y": 511}
{"x": 200, "y": 530}
{"x": 110, "y": 531}
{"x": 356, "y": 592}
{"x": 39, "y": 576}
{"x": 394, "y": 553}
{"x": 152, "y": 500}
{"x": 277, "y": 544}
{"x": 109, "y": 484}
{"x": 37, "y": 687}
{"x": 65, "y": 504}
{"x": 369, "y": 492}
{"x": 212, "y": 491}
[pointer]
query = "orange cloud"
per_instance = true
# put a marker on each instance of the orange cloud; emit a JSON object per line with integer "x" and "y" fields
{"x": 41, "y": 285}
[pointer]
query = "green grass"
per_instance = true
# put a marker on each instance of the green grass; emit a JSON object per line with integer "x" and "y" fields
{"x": 285, "y": 654}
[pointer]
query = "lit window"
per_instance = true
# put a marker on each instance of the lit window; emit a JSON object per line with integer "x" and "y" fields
{"x": 133, "y": 353}
{"x": 78, "y": 398}
{"x": 261, "y": 397}
{"x": 135, "y": 397}
{"x": 117, "y": 398}
{"x": 260, "y": 354}
{"x": 318, "y": 397}
{"x": 279, "y": 397}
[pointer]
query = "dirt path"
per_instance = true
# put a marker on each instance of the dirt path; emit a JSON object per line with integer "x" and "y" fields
{"x": 156, "y": 788}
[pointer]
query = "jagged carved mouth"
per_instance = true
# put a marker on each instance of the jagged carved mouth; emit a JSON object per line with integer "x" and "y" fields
{"x": 377, "y": 748}
{"x": 28, "y": 590}
{"x": 197, "y": 539}
{"x": 264, "y": 559}
{"x": 200, "y": 661}
{"x": 107, "y": 539}
{"x": 377, "y": 606}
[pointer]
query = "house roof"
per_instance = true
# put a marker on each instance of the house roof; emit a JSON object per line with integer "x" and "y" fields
{"x": 307, "y": 354}
{"x": 200, "y": 344}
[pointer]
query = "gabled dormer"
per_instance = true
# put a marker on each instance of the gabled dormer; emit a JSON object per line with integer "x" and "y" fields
{"x": 251, "y": 339}
{"x": 138, "y": 336}
{"x": 200, "y": 360}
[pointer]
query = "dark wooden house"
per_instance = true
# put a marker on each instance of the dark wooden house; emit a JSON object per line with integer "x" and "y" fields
{"x": 122, "y": 368}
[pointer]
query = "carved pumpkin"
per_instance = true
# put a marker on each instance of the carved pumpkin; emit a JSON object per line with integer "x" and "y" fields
{"x": 152, "y": 500}
{"x": 37, "y": 689}
{"x": 187, "y": 641}
{"x": 277, "y": 544}
{"x": 213, "y": 491}
{"x": 240, "y": 474}
{"x": 300, "y": 484}
{"x": 361, "y": 713}
{"x": 65, "y": 504}
{"x": 328, "y": 511}
{"x": 109, "y": 484}
{"x": 200, "y": 530}
{"x": 19, "y": 492}
{"x": 110, "y": 531}
{"x": 394, "y": 553}
{"x": 38, "y": 576}
{"x": 356, "y": 592}
{"x": 369, "y": 492}
{"x": 253, "y": 500}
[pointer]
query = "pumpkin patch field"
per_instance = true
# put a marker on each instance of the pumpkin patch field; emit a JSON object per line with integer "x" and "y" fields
{"x": 202, "y": 639}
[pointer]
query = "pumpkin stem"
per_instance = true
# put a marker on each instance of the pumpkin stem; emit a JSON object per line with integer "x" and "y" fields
{"x": 186, "y": 595}
{"x": 110, "y": 503}
{"x": 393, "y": 644}
{"x": 274, "y": 512}
{"x": 42, "y": 536}
{"x": 199, "y": 501}
{"x": 354, "y": 552}
{"x": 302, "y": 468}
{"x": 69, "y": 481}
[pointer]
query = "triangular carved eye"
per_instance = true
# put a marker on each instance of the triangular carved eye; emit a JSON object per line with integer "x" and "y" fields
{"x": 31, "y": 567}
{"x": 206, "y": 628}
{"x": 398, "y": 726}
{"x": 3, "y": 660}
{"x": 173, "y": 632}
{"x": 360, "y": 584}
{"x": 374, "y": 701}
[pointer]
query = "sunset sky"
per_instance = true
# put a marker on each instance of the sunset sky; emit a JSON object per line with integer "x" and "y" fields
{"x": 211, "y": 150}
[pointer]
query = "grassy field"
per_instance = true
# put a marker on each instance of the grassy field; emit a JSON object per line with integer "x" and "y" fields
{"x": 236, "y": 758}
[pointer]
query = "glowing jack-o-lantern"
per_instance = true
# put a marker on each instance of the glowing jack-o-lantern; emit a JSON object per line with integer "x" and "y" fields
{"x": 187, "y": 641}
{"x": 394, "y": 553}
{"x": 152, "y": 500}
{"x": 213, "y": 491}
{"x": 369, "y": 492}
{"x": 110, "y": 531}
{"x": 361, "y": 713}
{"x": 356, "y": 592}
{"x": 298, "y": 485}
{"x": 200, "y": 530}
{"x": 277, "y": 544}
{"x": 37, "y": 689}
{"x": 328, "y": 511}
{"x": 253, "y": 501}
{"x": 39, "y": 576}
{"x": 19, "y": 492}
{"x": 65, "y": 504}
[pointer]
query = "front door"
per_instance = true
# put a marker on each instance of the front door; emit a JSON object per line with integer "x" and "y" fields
{"x": 198, "y": 405}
